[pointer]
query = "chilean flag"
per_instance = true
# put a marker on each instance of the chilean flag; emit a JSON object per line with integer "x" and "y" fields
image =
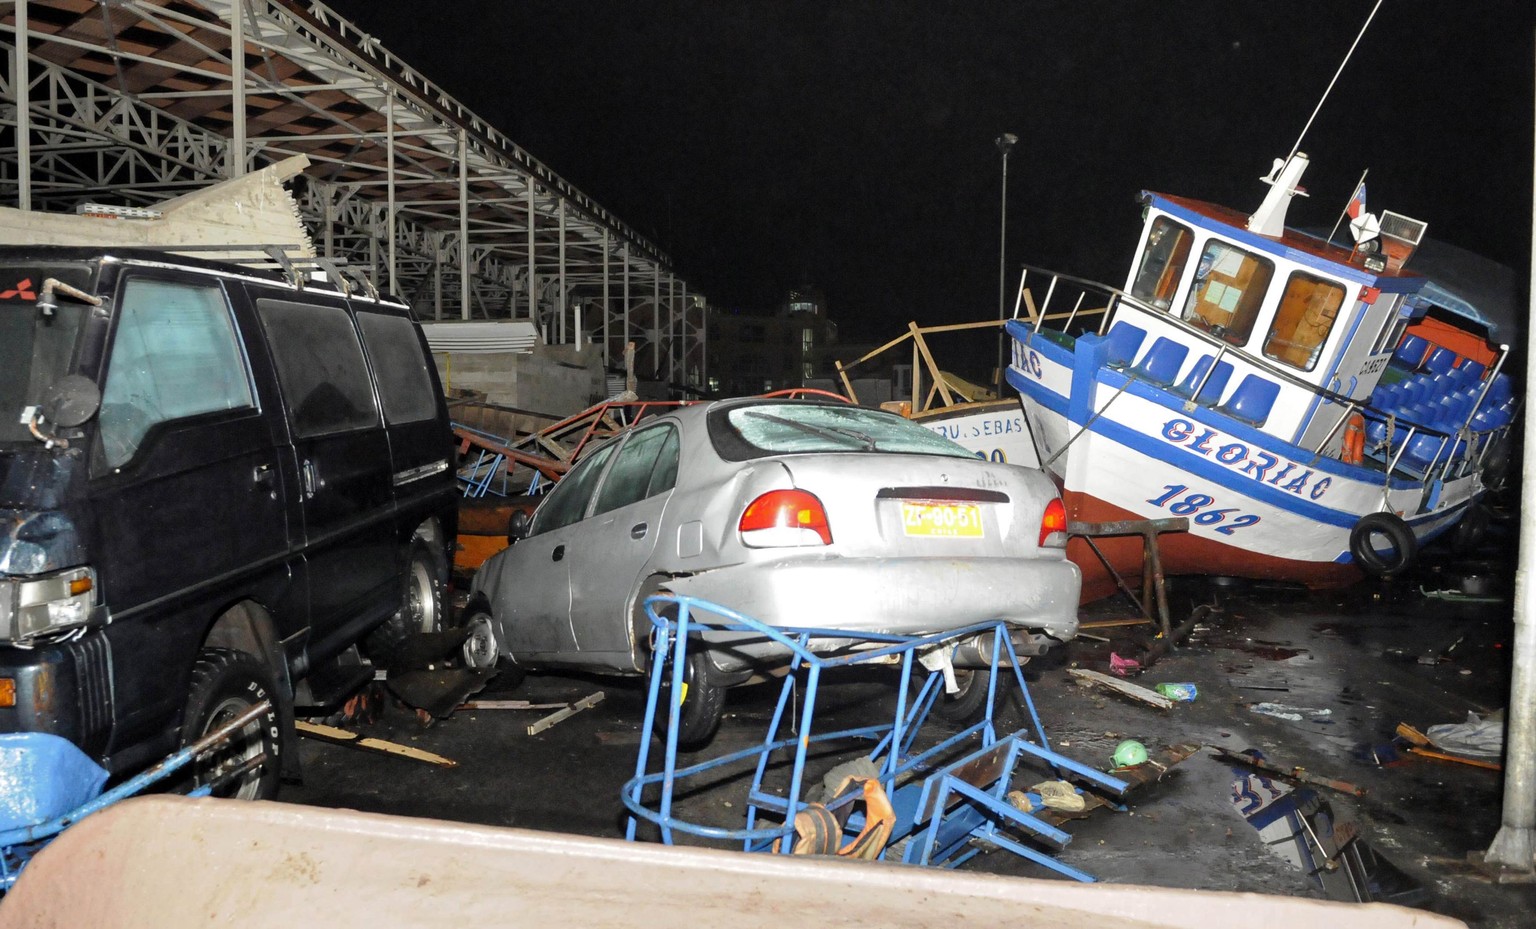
{"x": 1357, "y": 202}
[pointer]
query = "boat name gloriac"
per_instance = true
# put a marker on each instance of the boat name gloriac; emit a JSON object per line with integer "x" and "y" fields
{"x": 1255, "y": 463}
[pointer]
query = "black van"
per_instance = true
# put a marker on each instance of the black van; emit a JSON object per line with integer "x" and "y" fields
{"x": 216, "y": 484}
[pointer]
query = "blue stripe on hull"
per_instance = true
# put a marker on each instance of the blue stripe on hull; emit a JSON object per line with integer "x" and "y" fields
{"x": 1077, "y": 411}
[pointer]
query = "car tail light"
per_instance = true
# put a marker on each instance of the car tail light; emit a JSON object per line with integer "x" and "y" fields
{"x": 1053, "y": 525}
{"x": 784, "y": 518}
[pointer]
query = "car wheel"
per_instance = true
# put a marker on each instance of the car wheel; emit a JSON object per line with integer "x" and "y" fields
{"x": 423, "y": 609}
{"x": 968, "y": 704}
{"x": 482, "y": 652}
{"x": 703, "y": 704}
{"x": 226, "y": 683}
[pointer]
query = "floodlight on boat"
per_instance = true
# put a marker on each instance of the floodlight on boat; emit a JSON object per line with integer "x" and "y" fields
{"x": 1400, "y": 237}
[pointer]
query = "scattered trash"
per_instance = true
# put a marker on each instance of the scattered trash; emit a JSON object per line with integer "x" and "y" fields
{"x": 1437, "y": 655}
{"x": 1255, "y": 759}
{"x": 1123, "y": 666}
{"x": 1182, "y": 693}
{"x": 1456, "y": 596}
{"x": 509, "y": 705}
{"x": 1060, "y": 795}
{"x": 1302, "y": 828}
{"x": 380, "y": 746}
{"x": 1124, "y": 688}
{"x": 1287, "y": 711}
{"x": 1479, "y": 737}
{"x": 1418, "y": 743}
{"x": 1129, "y": 754}
{"x": 560, "y": 716}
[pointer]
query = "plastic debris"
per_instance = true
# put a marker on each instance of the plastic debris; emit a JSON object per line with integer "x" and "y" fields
{"x": 1060, "y": 795}
{"x": 1182, "y": 692}
{"x": 1129, "y": 754}
{"x": 1123, "y": 666}
{"x": 1287, "y": 711}
{"x": 1477, "y": 737}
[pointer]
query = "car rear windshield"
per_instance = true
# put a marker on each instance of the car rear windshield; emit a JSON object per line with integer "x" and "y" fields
{"x": 36, "y": 348}
{"x": 740, "y": 433}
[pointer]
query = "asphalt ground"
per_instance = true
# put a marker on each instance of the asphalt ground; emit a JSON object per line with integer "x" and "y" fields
{"x": 1358, "y": 661}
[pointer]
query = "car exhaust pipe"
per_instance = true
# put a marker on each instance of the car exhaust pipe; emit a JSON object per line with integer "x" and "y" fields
{"x": 976, "y": 652}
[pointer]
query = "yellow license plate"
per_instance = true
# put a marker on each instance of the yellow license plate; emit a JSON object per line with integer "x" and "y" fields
{"x": 941, "y": 520}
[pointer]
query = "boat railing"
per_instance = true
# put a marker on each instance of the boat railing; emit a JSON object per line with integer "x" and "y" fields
{"x": 1466, "y": 446}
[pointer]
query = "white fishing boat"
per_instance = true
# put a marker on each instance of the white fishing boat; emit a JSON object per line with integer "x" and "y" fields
{"x": 1314, "y": 410}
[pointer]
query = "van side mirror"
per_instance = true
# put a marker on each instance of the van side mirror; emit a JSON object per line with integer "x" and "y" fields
{"x": 517, "y": 526}
{"x": 71, "y": 401}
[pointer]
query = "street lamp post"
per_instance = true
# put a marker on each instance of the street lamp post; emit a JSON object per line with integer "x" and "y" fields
{"x": 1005, "y": 143}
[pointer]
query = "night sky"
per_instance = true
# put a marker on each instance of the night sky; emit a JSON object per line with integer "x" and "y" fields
{"x": 850, "y": 144}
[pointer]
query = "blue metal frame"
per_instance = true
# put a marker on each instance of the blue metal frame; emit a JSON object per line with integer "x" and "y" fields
{"x": 946, "y": 818}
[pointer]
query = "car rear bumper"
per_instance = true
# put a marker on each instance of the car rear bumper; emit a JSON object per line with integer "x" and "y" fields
{"x": 895, "y": 595}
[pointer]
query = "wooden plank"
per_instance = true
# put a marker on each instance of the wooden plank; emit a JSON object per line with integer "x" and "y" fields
{"x": 554, "y": 719}
{"x": 1459, "y": 759}
{"x": 1124, "y": 688}
{"x": 352, "y": 740}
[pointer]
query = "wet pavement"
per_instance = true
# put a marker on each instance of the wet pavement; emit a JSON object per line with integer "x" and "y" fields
{"x": 1357, "y": 662}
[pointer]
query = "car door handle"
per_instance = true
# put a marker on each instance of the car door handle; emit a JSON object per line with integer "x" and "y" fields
{"x": 558, "y": 553}
{"x": 638, "y": 530}
{"x": 311, "y": 479}
{"x": 264, "y": 477}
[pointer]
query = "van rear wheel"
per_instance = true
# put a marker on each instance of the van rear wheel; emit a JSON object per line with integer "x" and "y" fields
{"x": 226, "y": 683}
{"x": 423, "y": 609}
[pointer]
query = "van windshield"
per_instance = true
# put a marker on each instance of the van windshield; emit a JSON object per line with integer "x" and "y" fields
{"x": 35, "y": 350}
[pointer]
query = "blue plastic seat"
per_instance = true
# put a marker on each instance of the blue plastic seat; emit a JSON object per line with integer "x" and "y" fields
{"x": 1423, "y": 448}
{"x": 1252, "y": 401}
{"x": 1472, "y": 370}
{"x": 1411, "y": 351}
{"x": 1500, "y": 390}
{"x": 1124, "y": 341}
{"x": 1440, "y": 361}
{"x": 1213, "y": 388}
{"x": 1161, "y": 363}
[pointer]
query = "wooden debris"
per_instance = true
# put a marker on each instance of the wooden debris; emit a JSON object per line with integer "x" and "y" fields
{"x": 1459, "y": 759}
{"x": 554, "y": 719}
{"x": 352, "y": 740}
{"x": 1124, "y": 688}
{"x": 509, "y": 705}
{"x": 1298, "y": 773}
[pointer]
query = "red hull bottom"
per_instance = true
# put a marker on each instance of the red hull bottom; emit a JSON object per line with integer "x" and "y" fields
{"x": 1181, "y": 553}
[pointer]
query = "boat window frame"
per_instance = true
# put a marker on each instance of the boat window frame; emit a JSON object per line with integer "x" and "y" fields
{"x": 1253, "y": 294}
{"x": 1315, "y": 349}
{"x": 1174, "y": 262}
{"x": 1392, "y": 327}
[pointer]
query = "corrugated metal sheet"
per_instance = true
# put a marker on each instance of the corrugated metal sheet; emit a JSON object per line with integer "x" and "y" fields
{"x": 481, "y": 337}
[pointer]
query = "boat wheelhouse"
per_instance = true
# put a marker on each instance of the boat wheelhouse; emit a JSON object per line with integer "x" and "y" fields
{"x": 1296, "y": 400}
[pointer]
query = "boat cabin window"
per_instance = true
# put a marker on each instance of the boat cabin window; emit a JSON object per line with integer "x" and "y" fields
{"x": 1302, "y": 323}
{"x": 1229, "y": 287}
{"x": 1162, "y": 263}
{"x": 1392, "y": 328}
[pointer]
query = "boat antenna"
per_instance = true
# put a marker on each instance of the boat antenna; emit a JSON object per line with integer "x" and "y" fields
{"x": 1297, "y": 147}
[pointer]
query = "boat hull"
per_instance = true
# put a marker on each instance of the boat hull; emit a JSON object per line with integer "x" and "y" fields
{"x": 1258, "y": 507}
{"x": 993, "y": 429}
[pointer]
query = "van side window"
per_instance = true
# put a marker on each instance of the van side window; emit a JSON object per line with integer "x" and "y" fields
{"x": 405, "y": 387}
{"x": 630, "y": 478}
{"x": 175, "y": 354}
{"x": 567, "y": 503}
{"x": 320, "y": 367}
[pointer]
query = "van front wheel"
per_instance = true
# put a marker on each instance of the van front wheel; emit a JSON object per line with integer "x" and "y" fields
{"x": 226, "y": 683}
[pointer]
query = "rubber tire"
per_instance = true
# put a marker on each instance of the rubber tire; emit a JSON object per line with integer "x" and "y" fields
{"x": 226, "y": 683}
{"x": 509, "y": 675}
{"x": 1468, "y": 534}
{"x": 703, "y": 705}
{"x": 969, "y": 704}
{"x": 423, "y": 609}
{"x": 1405, "y": 547}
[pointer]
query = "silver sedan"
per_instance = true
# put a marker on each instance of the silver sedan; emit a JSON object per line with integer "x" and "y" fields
{"x": 794, "y": 513}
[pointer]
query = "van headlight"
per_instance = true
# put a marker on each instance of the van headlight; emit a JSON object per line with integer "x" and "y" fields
{"x": 40, "y": 606}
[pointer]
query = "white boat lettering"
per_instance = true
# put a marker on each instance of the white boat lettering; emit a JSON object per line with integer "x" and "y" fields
{"x": 1238, "y": 456}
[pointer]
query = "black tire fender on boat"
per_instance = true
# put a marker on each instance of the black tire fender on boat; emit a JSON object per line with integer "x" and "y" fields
{"x": 1363, "y": 541}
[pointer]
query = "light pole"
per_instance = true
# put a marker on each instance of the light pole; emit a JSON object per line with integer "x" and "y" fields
{"x": 1005, "y": 143}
